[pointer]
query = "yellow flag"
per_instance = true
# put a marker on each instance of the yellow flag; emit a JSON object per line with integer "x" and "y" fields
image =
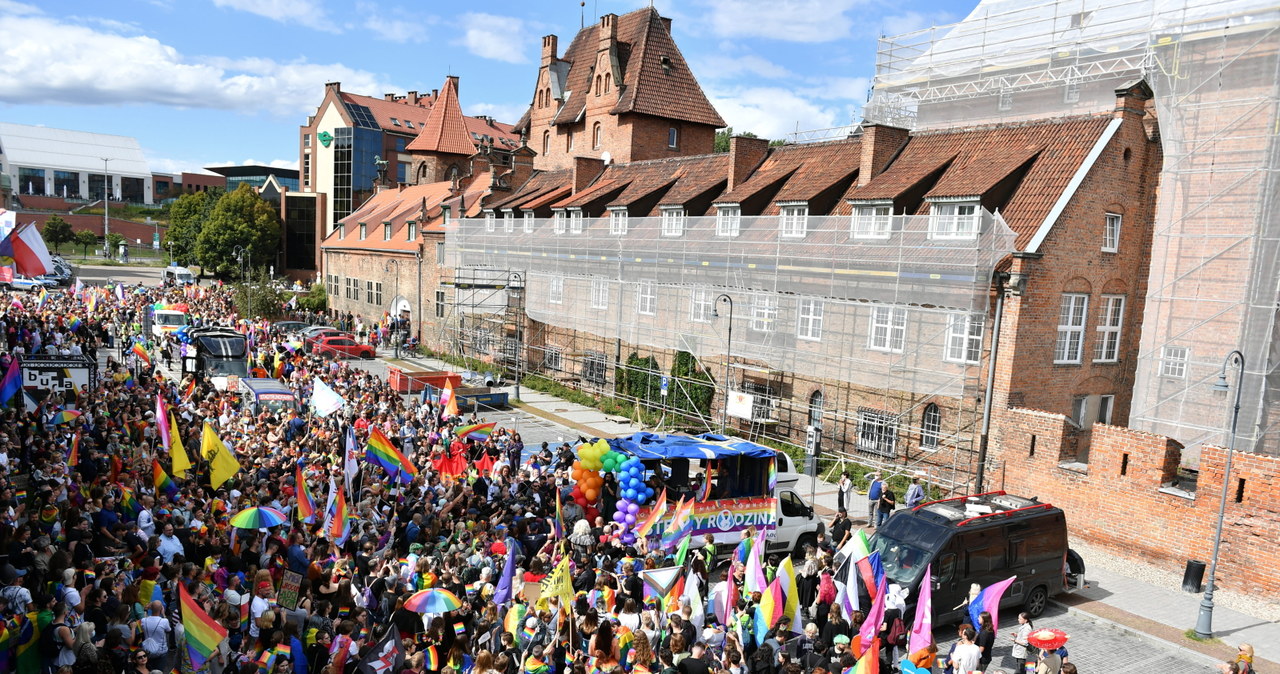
{"x": 222, "y": 463}
{"x": 557, "y": 584}
{"x": 181, "y": 462}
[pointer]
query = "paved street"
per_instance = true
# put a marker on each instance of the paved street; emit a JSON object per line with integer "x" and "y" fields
{"x": 100, "y": 274}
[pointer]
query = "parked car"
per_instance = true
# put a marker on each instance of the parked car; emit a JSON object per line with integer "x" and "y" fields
{"x": 290, "y": 327}
{"x": 342, "y": 345}
{"x": 310, "y": 338}
{"x": 21, "y": 282}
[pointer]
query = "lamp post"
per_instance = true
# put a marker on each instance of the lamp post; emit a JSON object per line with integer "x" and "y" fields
{"x": 239, "y": 252}
{"x": 106, "y": 205}
{"x": 728, "y": 356}
{"x": 518, "y": 282}
{"x": 1204, "y": 622}
{"x": 395, "y": 313}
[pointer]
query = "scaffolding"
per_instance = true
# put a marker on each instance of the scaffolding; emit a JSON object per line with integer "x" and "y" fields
{"x": 1214, "y": 67}
{"x": 881, "y": 326}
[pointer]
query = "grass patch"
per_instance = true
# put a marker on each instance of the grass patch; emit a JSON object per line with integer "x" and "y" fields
{"x": 1191, "y": 635}
{"x": 606, "y": 404}
{"x": 133, "y": 262}
{"x": 132, "y": 213}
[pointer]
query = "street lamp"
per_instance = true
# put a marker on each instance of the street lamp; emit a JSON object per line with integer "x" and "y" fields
{"x": 239, "y": 252}
{"x": 1204, "y": 622}
{"x": 728, "y": 356}
{"x": 517, "y": 281}
{"x": 106, "y": 205}
{"x": 395, "y": 311}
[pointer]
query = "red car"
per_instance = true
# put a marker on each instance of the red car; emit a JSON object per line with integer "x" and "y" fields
{"x": 342, "y": 345}
{"x": 310, "y": 338}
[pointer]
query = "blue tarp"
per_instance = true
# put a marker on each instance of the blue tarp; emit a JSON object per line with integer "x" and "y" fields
{"x": 649, "y": 446}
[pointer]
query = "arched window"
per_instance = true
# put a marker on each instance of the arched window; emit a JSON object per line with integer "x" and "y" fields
{"x": 815, "y": 409}
{"x": 595, "y": 136}
{"x": 546, "y": 95}
{"x": 930, "y": 426}
{"x": 608, "y": 82}
{"x": 546, "y": 143}
{"x": 568, "y": 142}
{"x": 597, "y": 85}
{"x": 539, "y": 98}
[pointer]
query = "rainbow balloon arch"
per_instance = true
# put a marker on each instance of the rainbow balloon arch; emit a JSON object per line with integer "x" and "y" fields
{"x": 598, "y": 456}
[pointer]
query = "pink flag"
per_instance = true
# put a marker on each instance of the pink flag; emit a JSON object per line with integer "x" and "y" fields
{"x": 755, "y": 581}
{"x": 989, "y": 600}
{"x": 162, "y": 416}
{"x": 875, "y": 617}
{"x": 922, "y": 629}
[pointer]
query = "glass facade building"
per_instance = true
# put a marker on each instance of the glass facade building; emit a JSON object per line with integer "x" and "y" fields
{"x": 353, "y": 169}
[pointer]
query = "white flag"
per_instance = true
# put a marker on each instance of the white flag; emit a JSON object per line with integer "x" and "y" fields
{"x": 324, "y": 400}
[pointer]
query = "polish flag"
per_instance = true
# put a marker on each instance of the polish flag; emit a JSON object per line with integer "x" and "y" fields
{"x": 26, "y": 248}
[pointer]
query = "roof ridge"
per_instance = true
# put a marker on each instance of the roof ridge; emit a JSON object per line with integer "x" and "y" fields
{"x": 445, "y": 130}
{"x": 1024, "y": 124}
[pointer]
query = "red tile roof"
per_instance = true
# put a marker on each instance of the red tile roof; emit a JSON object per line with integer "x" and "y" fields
{"x": 555, "y": 194}
{"x": 445, "y": 130}
{"x": 397, "y": 206}
{"x": 647, "y": 87}
{"x": 400, "y": 110}
{"x": 799, "y": 172}
{"x": 537, "y": 185}
{"x": 973, "y": 160}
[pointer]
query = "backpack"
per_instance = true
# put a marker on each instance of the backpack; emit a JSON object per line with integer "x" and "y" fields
{"x": 49, "y": 643}
{"x": 897, "y": 633}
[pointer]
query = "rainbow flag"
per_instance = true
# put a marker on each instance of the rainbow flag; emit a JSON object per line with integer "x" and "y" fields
{"x": 431, "y": 659}
{"x": 190, "y": 390}
{"x": 514, "y": 619}
{"x": 476, "y": 431}
{"x": 535, "y": 665}
{"x": 203, "y": 633}
{"x": 380, "y": 451}
{"x": 656, "y": 512}
{"x": 557, "y": 523}
{"x": 42, "y": 299}
{"x": 473, "y": 588}
{"x": 141, "y": 352}
{"x": 706, "y": 483}
{"x": 869, "y": 663}
{"x": 459, "y": 629}
{"x": 340, "y": 525}
{"x": 773, "y": 475}
{"x": 681, "y": 523}
{"x": 11, "y": 384}
{"x": 73, "y": 454}
{"x": 128, "y": 502}
{"x": 266, "y": 661}
{"x": 75, "y": 324}
{"x": 284, "y": 651}
{"x": 306, "y": 502}
{"x": 162, "y": 480}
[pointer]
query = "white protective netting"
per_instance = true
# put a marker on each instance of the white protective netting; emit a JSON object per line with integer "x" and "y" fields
{"x": 1215, "y": 73}
{"x": 879, "y": 313}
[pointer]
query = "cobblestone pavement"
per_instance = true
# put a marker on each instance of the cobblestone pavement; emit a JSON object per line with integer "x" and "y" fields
{"x": 1094, "y": 647}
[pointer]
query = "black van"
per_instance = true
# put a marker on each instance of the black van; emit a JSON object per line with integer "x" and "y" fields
{"x": 979, "y": 539}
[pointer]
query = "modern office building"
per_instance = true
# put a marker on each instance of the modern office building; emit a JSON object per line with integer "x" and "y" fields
{"x": 45, "y": 162}
{"x": 256, "y": 176}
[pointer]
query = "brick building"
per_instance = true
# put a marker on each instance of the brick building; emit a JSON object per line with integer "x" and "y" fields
{"x": 622, "y": 91}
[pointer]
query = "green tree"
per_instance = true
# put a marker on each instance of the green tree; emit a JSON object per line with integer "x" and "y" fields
{"x": 257, "y": 297}
{"x": 85, "y": 239}
{"x": 113, "y": 244}
{"x": 723, "y": 136}
{"x": 691, "y": 387}
{"x": 240, "y": 219}
{"x": 57, "y": 232}
{"x": 187, "y": 216}
{"x": 317, "y": 299}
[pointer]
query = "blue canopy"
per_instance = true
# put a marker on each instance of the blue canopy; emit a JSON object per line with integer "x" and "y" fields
{"x": 649, "y": 446}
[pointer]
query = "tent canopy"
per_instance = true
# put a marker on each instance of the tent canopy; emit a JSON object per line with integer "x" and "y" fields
{"x": 650, "y": 446}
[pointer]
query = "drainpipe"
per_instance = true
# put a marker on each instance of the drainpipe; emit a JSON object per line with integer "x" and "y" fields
{"x": 985, "y": 438}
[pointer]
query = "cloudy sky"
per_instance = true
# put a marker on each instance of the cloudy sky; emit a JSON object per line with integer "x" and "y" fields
{"x": 215, "y": 82}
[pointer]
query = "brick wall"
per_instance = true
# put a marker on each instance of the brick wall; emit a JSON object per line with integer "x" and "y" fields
{"x": 418, "y": 291}
{"x": 1116, "y": 500}
{"x": 93, "y": 223}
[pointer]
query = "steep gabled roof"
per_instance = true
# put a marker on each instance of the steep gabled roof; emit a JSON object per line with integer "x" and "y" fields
{"x": 656, "y": 80}
{"x": 799, "y": 172}
{"x": 445, "y": 130}
{"x": 537, "y": 185}
{"x": 385, "y": 111}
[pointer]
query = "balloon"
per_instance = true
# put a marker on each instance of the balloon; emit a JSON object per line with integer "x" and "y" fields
{"x": 631, "y": 519}
{"x": 591, "y": 495}
{"x": 628, "y": 494}
{"x": 633, "y": 508}
{"x": 618, "y": 517}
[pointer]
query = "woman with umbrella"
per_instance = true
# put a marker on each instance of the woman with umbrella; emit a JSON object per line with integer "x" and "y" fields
{"x": 1048, "y": 640}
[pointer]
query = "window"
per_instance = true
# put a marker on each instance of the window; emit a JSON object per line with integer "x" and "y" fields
{"x": 877, "y": 432}
{"x": 552, "y": 358}
{"x": 400, "y": 144}
{"x": 546, "y": 143}
{"x": 795, "y": 220}
{"x": 555, "y": 291}
{"x": 673, "y": 138}
{"x": 445, "y": 213}
{"x": 490, "y": 220}
{"x": 306, "y": 140}
{"x": 557, "y": 220}
{"x": 599, "y": 294}
{"x": 764, "y": 312}
{"x": 1005, "y": 102}
{"x": 598, "y": 87}
{"x": 1173, "y": 362}
{"x": 953, "y": 221}
{"x": 809, "y": 325}
{"x": 608, "y": 82}
{"x": 386, "y": 231}
{"x": 964, "y": 338}
{"x": 440, "y": 253}
{"x": 364, "y": 231}
{"x": 646, "y": 299}
{"x": 728, "y": 220}
{"x": 930, "y": 426}
{"x": 816, "y": 404}
{"x": 1110, "y": 317}
{"x": 508, "y": 222}
{"x": 568, "y": 142}
{"x": 332, "y": 284}
{"x": 408, "y": 123}
{"x": 395, "y": 122}
{"x": 306, "y": 170}
{"x": 594, "y": 366}
{"x": 1106, "y": 404}
{"x": 575, "y": 221}
{"x": 672, "y": 221}
{"x": 528, "y": 222}
{"x": 1111, "y": 233}
{"x": 368, "y": 292}
{"x": 411, "y": 230}
{"x": 888, "y": 329}
{"x": 700, "y": 305}
{"x": 1071, "y": 93}
{"x": 595, "y": 135}
{"x": 439, "y": 304}
{"x": 1071, "y": 328}
{"x": 872, "y": 222}
{"x": 618, "y": 222}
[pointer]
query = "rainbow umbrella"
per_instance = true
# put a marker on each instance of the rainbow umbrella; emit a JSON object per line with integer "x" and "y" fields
{"x": 258, "y": 518}
{"x": 433, "y": 601}
{"x": 64, "y": 417}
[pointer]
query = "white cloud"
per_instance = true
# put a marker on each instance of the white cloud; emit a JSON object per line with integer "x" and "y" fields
{"x": 787, "y": 20}
{"x": 505, "y": 113}
{"x": 772, "y": 112}
{"x": 274, "y": 163}
{"x": 48, "y": 61}
{"x": 395, "y": 25}
{"x": 910, "y": 22}
{"x": 309, "y": 13}
{"x": 723, "y": 66}
{"x": 501, "y": 38}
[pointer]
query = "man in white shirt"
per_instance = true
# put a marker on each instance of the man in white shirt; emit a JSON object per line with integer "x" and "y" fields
{"x": 146, "y": 523}
{"x": 260, "y": 605}
{"x": 966, "y": 655}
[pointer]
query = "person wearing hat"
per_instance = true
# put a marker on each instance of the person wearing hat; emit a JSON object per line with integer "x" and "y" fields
{"x": 260, "y": 611}
{"x": 16, "y": 598}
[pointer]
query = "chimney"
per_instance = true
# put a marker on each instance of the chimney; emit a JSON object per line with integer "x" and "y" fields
{"x": 666, "y": 21}
{"x": 608, "y": 31}
{"x": 521, "y": 168}
{"x": 745, "y": 154}
{"x": 1131, "y": 100}
{"x": 585, "y": 170}
{"x": 335, "y": 87}
{"x": 412, "y": 97}
{"x": 549, "y": 43}
{"x": 435, "y": 93}
{"x": 880, "y": 144}
{"x": 388, "y": 97}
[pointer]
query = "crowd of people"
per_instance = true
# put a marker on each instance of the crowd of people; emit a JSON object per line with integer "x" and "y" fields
{"x": 105, "y": 536}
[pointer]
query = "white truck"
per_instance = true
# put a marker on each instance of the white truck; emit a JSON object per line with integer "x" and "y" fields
{"x": 167, "y": 320}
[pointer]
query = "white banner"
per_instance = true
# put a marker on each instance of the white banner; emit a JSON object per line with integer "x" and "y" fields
{"x": 740, "y": 404}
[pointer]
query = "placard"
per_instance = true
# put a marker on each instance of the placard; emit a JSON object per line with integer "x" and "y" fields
{"x": 739, "y": 404}
{"x": 531, "y": 593}
{"x": 288, "y": 595}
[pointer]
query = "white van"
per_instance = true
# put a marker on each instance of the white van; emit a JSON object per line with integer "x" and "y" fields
{"x": 166, "y": 320}
{"x": 178, "y": 276}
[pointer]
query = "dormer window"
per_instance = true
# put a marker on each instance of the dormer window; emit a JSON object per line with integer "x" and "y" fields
{"x": 557, "y": 221}
{"x": 395, "y": 122}
{"x": 490, "y": 221}
{"x": 794, "y": 222}
{"x": 575, "y": 221}
{"x": 445, "y": 212}
{"x": 364, "y": 231}
{"x": 508, "y": 222}
{"x": 673, "y": 221}
{"x": 386, "y": 231}
{"x": 411, "y": 230}
{"x": 528, "y": 222}
{"x": 728, "y": 220}
{"x": 872, "y": 221}
{"x": 408, "y": 123}
{"x": 953, "y": 220}
{"x": 618, "y": 221}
